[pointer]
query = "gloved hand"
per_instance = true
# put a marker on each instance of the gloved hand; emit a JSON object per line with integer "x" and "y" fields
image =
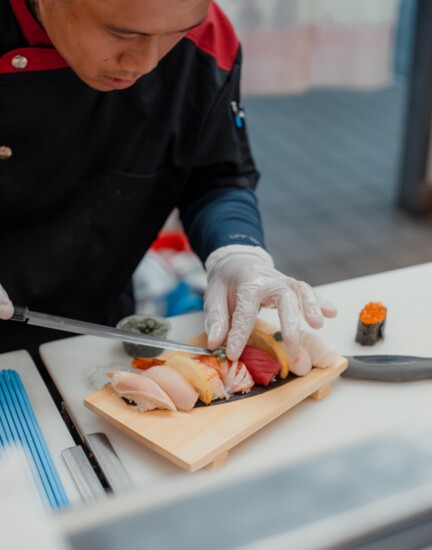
{"x": 6, "y": 307}
{"x": 240, "y": 280}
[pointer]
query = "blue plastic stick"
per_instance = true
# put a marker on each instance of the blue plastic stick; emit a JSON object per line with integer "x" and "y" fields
{"x": 24, "y": 437}
{"x": 9, "y": 432}
{"x": 30, "y": 418}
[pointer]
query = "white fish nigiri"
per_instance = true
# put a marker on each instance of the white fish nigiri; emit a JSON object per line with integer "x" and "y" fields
{"x": 174, "y": 384}
{"x": 300, "y": 362}
{"x": 146, "y": 394}
{"x": 322, "y": 353}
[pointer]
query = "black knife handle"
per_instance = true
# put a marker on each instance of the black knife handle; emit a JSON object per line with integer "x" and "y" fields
{"x": 389, "y": 368}
{"x": 20, "y": 314}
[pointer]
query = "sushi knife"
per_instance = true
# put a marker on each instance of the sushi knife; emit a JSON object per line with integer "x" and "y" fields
{"x": 23, "y": 314}
{"x": 389, "y": 368}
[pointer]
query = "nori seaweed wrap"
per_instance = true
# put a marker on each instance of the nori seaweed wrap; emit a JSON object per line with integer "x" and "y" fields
{"x": 371, "y": 323}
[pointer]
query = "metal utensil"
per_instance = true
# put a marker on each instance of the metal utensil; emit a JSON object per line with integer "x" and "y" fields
{"x": 23, "y": 314}
{"x": 87, "y": 482}
{"x": 109, "y": 462}
{"x": 389, "y": 368}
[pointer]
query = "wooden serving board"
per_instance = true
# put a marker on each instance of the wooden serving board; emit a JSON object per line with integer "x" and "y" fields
{"x": 203, "y": 436}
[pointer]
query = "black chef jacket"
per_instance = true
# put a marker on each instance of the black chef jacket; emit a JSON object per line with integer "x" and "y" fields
{"x": 93, "y": 175}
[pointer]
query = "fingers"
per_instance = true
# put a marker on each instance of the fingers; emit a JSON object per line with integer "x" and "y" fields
{"x": 6, "y": 307}
{"x": 327, "y": 308}
{"x": 289, "y": 316}
{"x": 243, "y": 321}
{"x": 216, "y": 314}
{"x": 309, "y": 304}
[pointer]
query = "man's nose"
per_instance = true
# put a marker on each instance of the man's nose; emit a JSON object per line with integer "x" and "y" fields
{"x": 141, "y": 58}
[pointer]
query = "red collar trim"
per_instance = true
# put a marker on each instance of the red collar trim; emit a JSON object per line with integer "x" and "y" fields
{"x": 39, "y": 59}
{"x": 216, "y": 37}
{"x": 31, "y": 29}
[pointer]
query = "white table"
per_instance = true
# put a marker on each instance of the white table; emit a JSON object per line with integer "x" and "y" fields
{"x": 55, "y": 432}
{"x": 353, "y": 412}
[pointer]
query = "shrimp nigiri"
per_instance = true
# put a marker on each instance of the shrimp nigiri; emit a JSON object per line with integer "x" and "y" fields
{"x": 235, "y": 376}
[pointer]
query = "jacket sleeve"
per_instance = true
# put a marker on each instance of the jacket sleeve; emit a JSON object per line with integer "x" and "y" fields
{"x": 219, "y": 206}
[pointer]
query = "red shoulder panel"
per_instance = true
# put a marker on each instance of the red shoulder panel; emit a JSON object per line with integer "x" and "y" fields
{"x": 31, "y": 29}
{"x": 40, "y": 54}
{"x": 216, "y": 36}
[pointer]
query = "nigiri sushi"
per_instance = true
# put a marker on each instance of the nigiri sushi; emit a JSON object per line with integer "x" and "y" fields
{"x": 205, "y": 379}
{"x": 145, "y": 394}
{"x": 182, "y": 393}
{"x": 262, "y": 367}
{"x": 299, "y": 359}
{"x": 235, "y": 376}
{"x": 322, "y": 353}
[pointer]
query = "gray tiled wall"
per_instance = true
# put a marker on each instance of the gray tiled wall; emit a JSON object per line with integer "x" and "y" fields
{"x": 329, "y": 163}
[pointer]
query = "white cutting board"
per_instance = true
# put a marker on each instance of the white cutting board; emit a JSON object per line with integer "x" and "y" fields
{"x": 354, "y": 411}
{"x": 55, "y": 432}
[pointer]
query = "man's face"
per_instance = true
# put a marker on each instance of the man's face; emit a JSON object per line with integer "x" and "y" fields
{"x": 111, "y": 43}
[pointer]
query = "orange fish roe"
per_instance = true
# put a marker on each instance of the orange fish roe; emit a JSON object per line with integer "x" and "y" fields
{"x": 144, "y": 363}
{"x": 372, "y": 313}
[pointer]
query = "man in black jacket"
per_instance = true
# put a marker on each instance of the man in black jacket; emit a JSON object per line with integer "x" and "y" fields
{"x": 113, "y": 113}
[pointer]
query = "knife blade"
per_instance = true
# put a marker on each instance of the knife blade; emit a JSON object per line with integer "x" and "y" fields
{"x": 23, "y": 314}
{"x": 389, "y": 368}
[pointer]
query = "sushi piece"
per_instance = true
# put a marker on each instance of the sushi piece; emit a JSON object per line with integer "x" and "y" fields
{"x": 371, "y": 323}
{"x": 299, "y": 359}
{"x": 139, "y": 391}
{"x": 235, "y": 376}
{"x": 205, "y": 379}
{"x": 181, "y": 392}
{"x": 322, "y": 353}
{"x": 270, "y": 344}
{"x": 262, "y": 367}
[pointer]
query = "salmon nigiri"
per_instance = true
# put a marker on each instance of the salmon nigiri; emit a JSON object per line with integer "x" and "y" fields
{"x": 182, "y": 393}
{"x": 143, "y": 392}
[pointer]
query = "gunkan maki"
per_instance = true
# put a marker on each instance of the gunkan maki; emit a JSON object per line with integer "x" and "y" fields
{"x": 371, "y": 323}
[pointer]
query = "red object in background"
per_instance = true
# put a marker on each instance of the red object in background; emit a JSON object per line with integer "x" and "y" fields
{"x": 174, "y": 240}
{"x": 262, "y": 367}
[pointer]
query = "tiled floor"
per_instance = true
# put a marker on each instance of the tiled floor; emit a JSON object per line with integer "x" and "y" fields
{"x": 329, "y": 162}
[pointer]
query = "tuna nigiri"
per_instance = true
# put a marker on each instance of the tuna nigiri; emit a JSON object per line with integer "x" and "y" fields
{"x": 260, "y": 364}
{"x": 143, "y": 392}
{"x": 174, "y": 384}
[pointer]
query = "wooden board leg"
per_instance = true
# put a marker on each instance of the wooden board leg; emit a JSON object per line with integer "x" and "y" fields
{"x": 219, "y": 461}
{"x": 321, "y": 393}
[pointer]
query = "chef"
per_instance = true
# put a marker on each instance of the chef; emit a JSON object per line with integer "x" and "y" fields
{"x": 113, "y": 113}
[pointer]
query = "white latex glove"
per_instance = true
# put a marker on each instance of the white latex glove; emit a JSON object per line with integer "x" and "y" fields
{"x": 6, "y": 307}
{"x": 241, "y": 279}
